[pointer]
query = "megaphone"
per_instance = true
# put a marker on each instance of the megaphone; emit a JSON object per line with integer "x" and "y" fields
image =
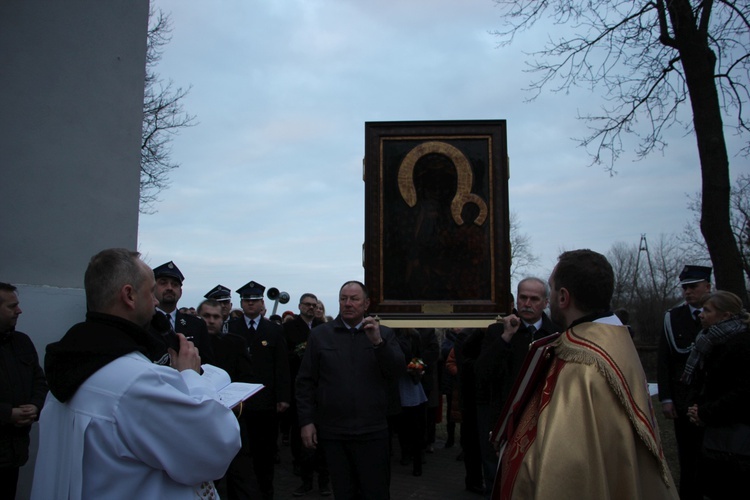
{"x": 274, "y": 294}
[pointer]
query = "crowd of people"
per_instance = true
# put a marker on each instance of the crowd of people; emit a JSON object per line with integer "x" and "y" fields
{"x": 126, "y": 411}
{"x": 320, "y": 313}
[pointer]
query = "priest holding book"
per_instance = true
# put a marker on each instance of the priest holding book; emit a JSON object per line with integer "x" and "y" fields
{"x": 116, "y": 425}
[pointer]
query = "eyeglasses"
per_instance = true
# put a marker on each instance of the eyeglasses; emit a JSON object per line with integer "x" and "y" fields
{"x": 308, "y": 304}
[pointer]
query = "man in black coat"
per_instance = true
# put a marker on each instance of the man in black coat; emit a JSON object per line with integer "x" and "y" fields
{"x": 168, "y": 292}
{"x": 270, "y": 367}
{"x": 223, "y": 296}
{"x": 22, "y": 391}
{"x": 504, "y": 348}
{"x": 344, "y": 390}
{"x": 296, "y": 333}
{"x": 231, "y": 355}
{"x": 230, "y": 350}
{"x": 681, "y": 326}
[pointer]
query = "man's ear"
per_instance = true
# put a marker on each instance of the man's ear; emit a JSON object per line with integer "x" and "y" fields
{"x": 128, "y": 296}
{"x": 563, "y": 298}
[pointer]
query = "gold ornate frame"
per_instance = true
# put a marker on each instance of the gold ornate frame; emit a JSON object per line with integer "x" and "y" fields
{"x": 437, "y": 233}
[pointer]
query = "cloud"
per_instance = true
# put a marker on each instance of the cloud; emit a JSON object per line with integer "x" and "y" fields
{"x": 270, "y": 184}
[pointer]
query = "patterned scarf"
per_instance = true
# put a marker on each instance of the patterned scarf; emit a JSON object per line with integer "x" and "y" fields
{"x": 706, "y": 340}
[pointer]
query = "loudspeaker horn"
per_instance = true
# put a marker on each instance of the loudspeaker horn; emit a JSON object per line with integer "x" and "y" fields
{"x": 274, "y": 294}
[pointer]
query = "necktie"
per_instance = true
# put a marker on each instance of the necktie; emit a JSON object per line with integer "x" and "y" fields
{"x": 696, "y": 315}
{"x": 252, "y": 327}
{"x": 532, "y": 331}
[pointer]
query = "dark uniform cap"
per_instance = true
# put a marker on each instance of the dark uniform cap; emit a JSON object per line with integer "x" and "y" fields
{"x": 168, "y": 269}
{"x": 219, "y": 293}
{"x": 695, "y": 274}
{"x": 252, "y": 290}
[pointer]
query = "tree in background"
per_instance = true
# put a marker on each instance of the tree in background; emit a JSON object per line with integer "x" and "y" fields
{"x": 646, "y": 282}
{"x": 521, "y": 256}
{"x": 739, "y": 217}
{"x": 649, "y": 58}
{"x": 163, "y": 116}
{"x": 622, "y": 256}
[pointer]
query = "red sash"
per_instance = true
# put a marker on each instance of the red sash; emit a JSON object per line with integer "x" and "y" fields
{"x": 527, "y": 389}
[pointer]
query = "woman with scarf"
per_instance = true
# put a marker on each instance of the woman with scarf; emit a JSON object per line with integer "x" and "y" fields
{"x": 717, "y": 369}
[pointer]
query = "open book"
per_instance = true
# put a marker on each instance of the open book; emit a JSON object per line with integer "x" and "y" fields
{"x": 230, "y": 393}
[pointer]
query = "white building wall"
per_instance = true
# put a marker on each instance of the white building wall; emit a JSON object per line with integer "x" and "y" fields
{"x": 71, "y": 93}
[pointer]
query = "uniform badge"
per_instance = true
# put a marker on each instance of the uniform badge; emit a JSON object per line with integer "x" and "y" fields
{"x": 264, "y": 343}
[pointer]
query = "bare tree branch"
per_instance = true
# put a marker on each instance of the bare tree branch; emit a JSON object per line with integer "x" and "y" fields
{"x": 647, "y": 58}
{"x": 163, "y": 116}
{"x": 521, "y": 256}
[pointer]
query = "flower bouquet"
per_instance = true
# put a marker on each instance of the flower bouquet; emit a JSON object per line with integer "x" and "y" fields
{"x": 299, "y": 350}
{"x": 415, "y": 368}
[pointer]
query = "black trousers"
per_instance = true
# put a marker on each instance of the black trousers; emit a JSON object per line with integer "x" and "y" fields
{"x": 410, "y": 426}
{"x": 312, "y": 461}
{"x": 689, "y": 439}
{"x": 238, "y": 483}
{"x": 723, "y": 475}
{"x": 262, "y": 434}
{"x": 489, "y": 455}
{"x": 8, "y": 482}
{"x": 295, "y": 439}
{"x": 360, "y": 468}
{"x": 470, "y": 446}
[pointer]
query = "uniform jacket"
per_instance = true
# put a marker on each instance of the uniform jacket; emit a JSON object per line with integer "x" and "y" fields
{"x": 192, "y": 327}
{"x": 21, "y": 382}
{"x": 230, "y": 354}
{"x": 673, "y": 353}
{"x": 268, "y": 360}
{"x": 296, "y": 333}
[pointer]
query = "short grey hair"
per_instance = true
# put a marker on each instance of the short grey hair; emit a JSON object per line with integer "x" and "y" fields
{"x": 107, "y": 273}
{"x": 365, "y": 291}
{"x": 538, "y": 280}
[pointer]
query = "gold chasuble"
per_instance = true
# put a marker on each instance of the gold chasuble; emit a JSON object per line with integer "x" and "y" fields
{"x": 589, "y": 430}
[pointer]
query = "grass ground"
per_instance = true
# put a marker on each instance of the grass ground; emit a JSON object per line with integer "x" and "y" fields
{"x": 666, "y": 429}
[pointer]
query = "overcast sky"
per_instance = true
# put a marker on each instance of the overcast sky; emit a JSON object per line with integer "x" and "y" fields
{"x": 270, "y": 184}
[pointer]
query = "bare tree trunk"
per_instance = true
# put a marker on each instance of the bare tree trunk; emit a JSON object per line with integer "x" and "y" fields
{"x": 698, "y": 62}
